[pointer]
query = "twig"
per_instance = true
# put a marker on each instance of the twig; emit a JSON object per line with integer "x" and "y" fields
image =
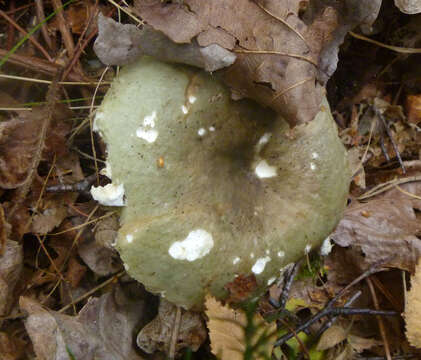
{"x": 331, "y": 321}
{"x": 94, "y": 290}
{"x": 379, "y": 319}
{"x": 81, "y": 186}
{"x": 329, "y": 310}
{"x": 52, "y": 99}
{"x": 175, "y": 332}
{"x": 36, "y": 64}
{"x": 30, "y": 37}
{"x": 380, "y": 188}
{"x": 334, "y": 312}
{"x": 64, "y": 30}
{"x": 288, "y": 280}
{"x": 398, "y": 49}
{"x": 39, "y": 7}
{"x": 11, "y": 29}
{"x": 389, "y": 133}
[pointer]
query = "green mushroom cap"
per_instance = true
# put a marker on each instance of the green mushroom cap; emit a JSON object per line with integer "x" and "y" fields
{"x": 214, "y": 188}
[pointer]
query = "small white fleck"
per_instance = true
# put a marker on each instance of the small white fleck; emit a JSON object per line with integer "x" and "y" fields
{"x": 148, "y": 135}
{"x": 307, "y": 249}
{"x": 114, "y": 243}
{"x": 326, "y": 247}
{"x": 98, "y": 116}
{"x": 126, "y": 267}
{"x": 314, "y": 155}
{"x": 107, "y": 170}
{"x": 236, "y": 260}
{"x": 281, "y": 254}
{"x": 263, "y": 141}
{"x": 264, "y": 170}
{"x": 146, "y": 132}
{"x": 252, "y": 256}
{"x": 109, "y": 195}
{"x": 192, "y": 99}
{"x": 162, "y": 293}
{"x": 184, "y": 109}
{"x": 271, "y": 280}
{"x": 197, "y": 244}
{"x": 149, "y": 120}
{"x": 267, "y": 251}
{"x": 212, "y": 128}
{"x": 255, "y": 213}
{"x": 260, "y": 264}
{"x": 312, "y": 166}
{"x": 129, "y": 238}
{"x": 201, "y": 132}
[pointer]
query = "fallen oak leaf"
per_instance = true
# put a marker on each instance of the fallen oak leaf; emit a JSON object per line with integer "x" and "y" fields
{"x": 413, "y": 309}
{"x": 227, "y": 332}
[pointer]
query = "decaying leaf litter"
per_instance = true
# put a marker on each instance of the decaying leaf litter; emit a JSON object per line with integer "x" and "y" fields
{"x": 64, "y": 291}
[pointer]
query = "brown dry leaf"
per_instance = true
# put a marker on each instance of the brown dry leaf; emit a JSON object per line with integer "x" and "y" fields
{"x": 332, "y": 337}
{"x": 75, "y": 272}
{"x": 102, "y": 330}
{"x": 226, "y": 331}
{"x": 413, "y": 309}
{"x": 280, "y": 53}
{"x": 241, "y": 288}
{"x": 119, "y": 44}
{"x": 11, "y": 348}
{"x": 359, "y": 344}
{"x": 413, "y": 108}
{"x": 11, "y": 266}
{"x": 17, "y": 137}
{"x": 384, "y": 227}
{"x": 156, "y": 336}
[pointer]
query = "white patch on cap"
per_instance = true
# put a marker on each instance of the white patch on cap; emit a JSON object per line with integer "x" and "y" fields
{"x": 281, "y": 254}
{"x": 109, "y": 195}
{"x": 267, "y": 251}
{"x": 126, "y": 267}
{"x": 201, "y": 132}
{"x": 313, "y": 166}
{"x": 98, "y": 116}
{"x": 264, "y": 170}
{"x": 147, "y": 131}
{"x": 307, "y": 249}
{"x": 236, "y": 260}
{"x": 326, "y": 247}
{"x": 184, "y": 109}
{"x": 260, "y": 264}
{"x": 192, "y": 99}
{"x": 271, "y": 280}
{"x": 197, "y": 244}
{"x": 252, "y": 256}
{"x": 314, "y": 155}
{"x": 263, "y": 141}
{"x": 212, "y": 128}
{"x": 107, "y": 170}
{"x": 129, "y": 238}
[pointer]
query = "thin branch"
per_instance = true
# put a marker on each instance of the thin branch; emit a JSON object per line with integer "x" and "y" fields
{"x": 81, "y": 186}
{"x": 39, "y": 8}
{"x": 175, "y": 333}
{"x": 30, "y": 37}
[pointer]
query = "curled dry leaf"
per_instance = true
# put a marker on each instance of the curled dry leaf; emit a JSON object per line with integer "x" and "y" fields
{"x": 119, "y": 44}
{"x": 413, "y": 309}
{"x": 156, "y": 336}
{"x": 227, "y": 335}
{"x": 102, "y": 330}
{"x": 279, "y": 53}
{"x": 384, "y": 227}
{"x": 98, "y": 252}
{"x": 11, "y": 266}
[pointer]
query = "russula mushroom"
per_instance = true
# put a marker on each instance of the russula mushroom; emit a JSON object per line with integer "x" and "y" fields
{"x": 213, "y": 187}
